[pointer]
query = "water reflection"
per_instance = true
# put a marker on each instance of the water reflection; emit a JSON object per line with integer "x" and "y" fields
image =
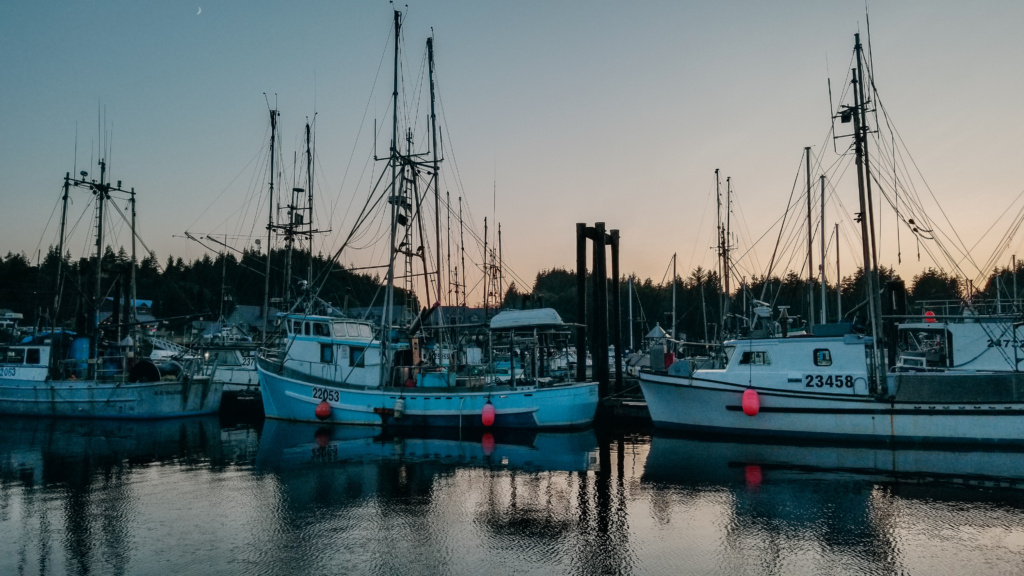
{"x": 74, "y": 485}
{"x": 198, "y": 496}
{"x": 806, "y": 509}
{"x": 699, "y": 459}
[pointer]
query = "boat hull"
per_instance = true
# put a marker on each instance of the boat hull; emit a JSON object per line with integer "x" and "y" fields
{"x": 708, "y": 406}
{"x": 570, "y": 405}
{"x": 92, "y": 399}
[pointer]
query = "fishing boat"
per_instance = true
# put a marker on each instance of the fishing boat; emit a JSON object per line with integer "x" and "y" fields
{"x": 398, "y": 371}
{"x": 96, "y": 374}
{"x": 833, "y": 384}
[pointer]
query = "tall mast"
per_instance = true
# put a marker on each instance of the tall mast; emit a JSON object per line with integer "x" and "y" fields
{"x": 309, "y": 196}
{"x": 810, "y": 246}
{"x": 462, "y": 253}
{"x": 270, "y": 223}
{"x": 866, "y": 221}
{"x": 387, "y": 319}
{"x": 487, "y": 270}
{"x": 437, "y": 192}
{"x": 132, "y": 294}
{"x": 674, "y": 300}
{"x": 824, "y": 315}
{"x": 101, "y": 196}
{"x": 727, "y": 295}
{"x": 630, "y": 299}
{"x": 728, "y": 231}
{"x": 60, "y": 248}
{"x": 721, "y": 252}
{"x": 839, "y": 281}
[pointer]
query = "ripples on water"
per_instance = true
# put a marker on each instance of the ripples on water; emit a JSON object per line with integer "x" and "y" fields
{"x": 199, "y": 496}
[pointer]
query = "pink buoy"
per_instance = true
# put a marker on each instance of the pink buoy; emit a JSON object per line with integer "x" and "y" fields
{"x": 323, "y": 410}
{"x": 752, "y": 475}
{"x": 751, "y": 402}
{"x": 487, "y": 415}
{"x": 322, "y": 437}
{"x": 487, "y": 443}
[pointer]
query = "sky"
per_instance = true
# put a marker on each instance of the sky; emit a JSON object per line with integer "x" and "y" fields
{"x": 554, "y": 112}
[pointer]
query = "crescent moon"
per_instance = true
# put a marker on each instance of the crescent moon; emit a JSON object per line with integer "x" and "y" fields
{"x": 200, "y": 11}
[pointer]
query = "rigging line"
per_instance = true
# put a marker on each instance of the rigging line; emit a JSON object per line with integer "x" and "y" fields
{"x": 225, "y": 189}
{"x": 134, "y": 232}
{"x": 700, "y": 226}
{"x": 49, "y": 220}
{"x": 997, "y": 221}
{"x": 881, "y": 105}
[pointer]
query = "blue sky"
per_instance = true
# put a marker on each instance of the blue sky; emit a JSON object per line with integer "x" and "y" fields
{"x": 556, "y": 112}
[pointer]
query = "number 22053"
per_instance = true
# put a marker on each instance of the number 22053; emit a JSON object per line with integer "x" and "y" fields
{"x": 830, "y": 381}
{"x": 326, "y": 394}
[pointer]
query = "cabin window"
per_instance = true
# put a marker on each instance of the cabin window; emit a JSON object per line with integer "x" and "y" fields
{"x": 15, "y": 355}
{"x": 32, "y": 357}
{"x": 320, "y": 329}
{"x": 364, "y": 331}
{"x": 356, "y": 357}
{"x": 822, "y": 357}
{"x": 327, "y": 353}
{"x": 305, "y": 328}
{"x": 296, "y": 327}
{"x": 755, "y": 357}
{"x": 340, "y": 330}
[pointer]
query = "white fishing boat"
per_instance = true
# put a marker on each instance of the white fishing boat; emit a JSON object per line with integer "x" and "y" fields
{"x": 96, "y": 375}
{"x": 395, "y": 372}
{"x": 819, "y": 387}
{"x": 335, "y": 370}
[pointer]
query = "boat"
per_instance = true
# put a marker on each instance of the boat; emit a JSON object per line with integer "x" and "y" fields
{"x": 833, "y": 383}
{"x": 398, "y": 371}
{"x": 336, "y": 370}
{"x": 96, "y": 374}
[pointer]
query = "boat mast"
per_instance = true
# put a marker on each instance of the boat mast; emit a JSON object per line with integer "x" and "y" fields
{"x": 309, "y": 195}
{"x": 270, "y": 223}
{"x": 721, "y": 250}
{"x": 839, "y": 281}
{"x": 630, "y": 299}
{"x": 674, "y": 302}
{"x": 101, "y": 196}
{"x": 462, "y": 254}
{"x": 866, "y": 220}
{"x": 725, "y": 255}
{"x": 437, "y": 192}
{"x": 810, "y": 247}
{"x": 387, "y": 319}
{"x": 824, "y": 315}
{"x": 60, "y": 248}
{"x": 134, "y": 312}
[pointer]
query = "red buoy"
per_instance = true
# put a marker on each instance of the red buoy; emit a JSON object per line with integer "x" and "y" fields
{"x": 487, "y": 416}
{"x": 487, "y": 443}
{"x": 752, "y": 475}
{"x": 322, "y": 437}
{"x": 751, "y": 402}
{"x": 323, "y": 410}
{"x": 929, "y": 316}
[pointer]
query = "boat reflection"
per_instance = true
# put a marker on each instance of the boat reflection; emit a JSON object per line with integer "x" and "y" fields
{"x": 80, "y": 496}
{"x": 679, "y": 459}
{"x": 294, "y": 445}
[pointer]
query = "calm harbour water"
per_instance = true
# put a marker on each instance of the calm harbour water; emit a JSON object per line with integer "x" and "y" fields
{"x": 198, "y": 496}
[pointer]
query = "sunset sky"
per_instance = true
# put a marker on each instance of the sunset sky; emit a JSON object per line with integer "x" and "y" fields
{"x": 556, "y": 112}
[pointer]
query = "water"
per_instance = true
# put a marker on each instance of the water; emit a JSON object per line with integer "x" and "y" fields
{"x": 199, "y": 496}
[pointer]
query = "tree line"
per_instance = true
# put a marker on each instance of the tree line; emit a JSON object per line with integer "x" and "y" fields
{"x": 210, "y": 286}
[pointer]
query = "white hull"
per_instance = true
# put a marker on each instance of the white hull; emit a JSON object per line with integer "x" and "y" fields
{"x": 92, "y": 399}
{"x": 706, "y": 405}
